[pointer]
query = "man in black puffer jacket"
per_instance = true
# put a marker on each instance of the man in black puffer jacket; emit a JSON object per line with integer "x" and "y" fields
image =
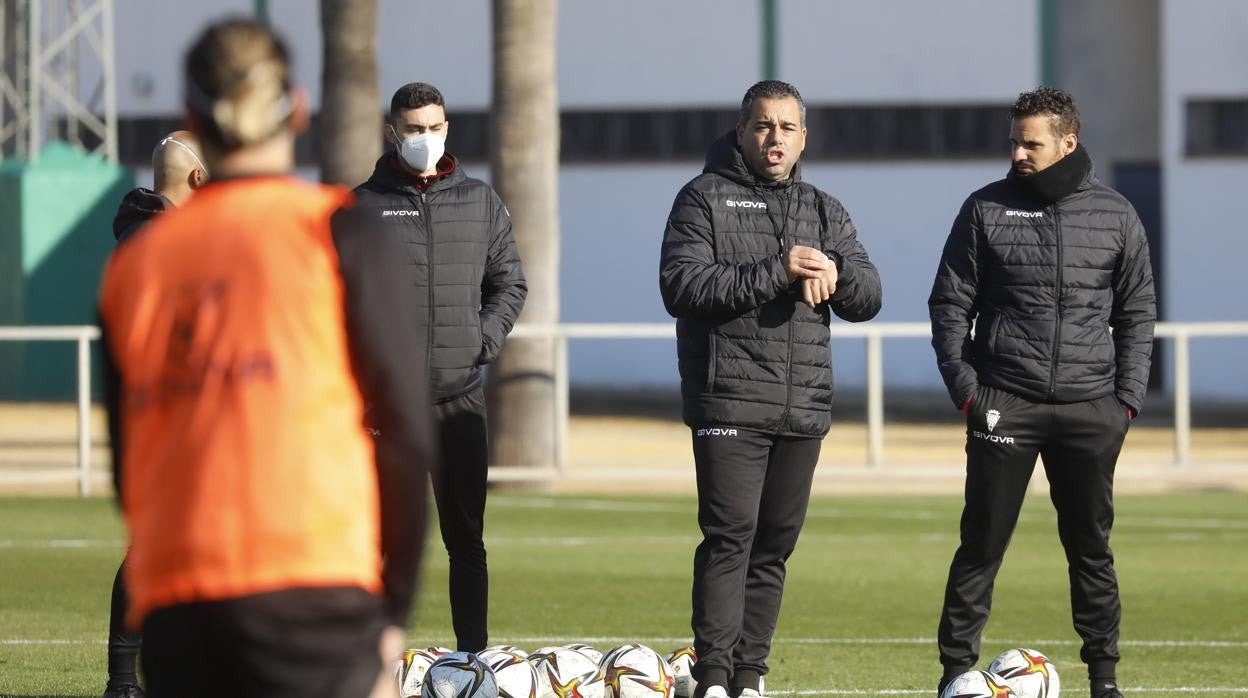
{"x": 754, "y": 262}
{"x": 468, "y": 289}
{"x": 1045, "y": 262}
{"x": 177, "y": 173}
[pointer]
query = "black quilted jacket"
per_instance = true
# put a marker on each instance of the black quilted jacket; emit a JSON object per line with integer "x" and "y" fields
{"x": 752, "y": 354}
{"x": 463, "y": 270}
{"x": 1045, "y": 285}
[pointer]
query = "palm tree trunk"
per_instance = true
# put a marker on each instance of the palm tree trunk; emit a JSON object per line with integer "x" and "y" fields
{"x": 524, "y": 166}
{"x": 349, "y": 125}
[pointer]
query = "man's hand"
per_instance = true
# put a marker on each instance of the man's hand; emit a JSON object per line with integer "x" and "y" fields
{"x": 804, "y": 263}
{"x": 390, "y": 647}
{"x": 820, "y": 288}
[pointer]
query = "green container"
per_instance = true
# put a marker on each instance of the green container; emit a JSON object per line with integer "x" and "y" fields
{"x": 56, "y": 218}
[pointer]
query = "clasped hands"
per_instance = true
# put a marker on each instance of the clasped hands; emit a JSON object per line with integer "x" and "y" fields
{"x": 816, "y": 271}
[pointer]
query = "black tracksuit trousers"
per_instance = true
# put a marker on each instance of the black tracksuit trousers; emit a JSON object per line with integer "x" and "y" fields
{"x": 123, "y": 643}
{"x": 753, "y": 490}
{"x": 1079, "y": 444}
{"x": 459, "y": 489}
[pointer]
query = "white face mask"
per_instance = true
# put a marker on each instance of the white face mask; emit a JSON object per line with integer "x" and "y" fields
{"x": 422, "y": 152}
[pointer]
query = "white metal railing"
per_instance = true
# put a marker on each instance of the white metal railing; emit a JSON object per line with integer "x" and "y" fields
{"x": 83, "y": 336}
{"x": 874, "y": 334}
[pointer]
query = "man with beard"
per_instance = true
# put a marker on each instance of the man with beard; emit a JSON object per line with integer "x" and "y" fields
{"x": 1045, "y": 263}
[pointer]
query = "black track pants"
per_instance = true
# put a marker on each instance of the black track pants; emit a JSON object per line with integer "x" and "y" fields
{"x": 753, "y": 490}
{"x": 459, "y": 488}
{"x": 1079, "y": 445}
{"x": 123, "y": 643}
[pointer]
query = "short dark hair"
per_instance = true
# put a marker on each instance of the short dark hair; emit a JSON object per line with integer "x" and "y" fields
{"x": 414, "y": 95}
{"x": 1056, "y": 104}
{"x": 770, "y": 89}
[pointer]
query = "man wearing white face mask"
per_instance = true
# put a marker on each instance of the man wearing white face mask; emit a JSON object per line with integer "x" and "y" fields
{"x": 468, "y": 288}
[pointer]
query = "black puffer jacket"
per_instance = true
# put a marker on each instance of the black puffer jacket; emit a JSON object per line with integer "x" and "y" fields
{"x": 137, "y": 207}
{"x": 752, "y": 354}
{"x": 1045, "y": 284}
{"x": 462, "y": 264}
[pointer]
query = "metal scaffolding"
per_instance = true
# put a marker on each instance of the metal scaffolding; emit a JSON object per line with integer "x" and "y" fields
{"x": 59, "y": 76}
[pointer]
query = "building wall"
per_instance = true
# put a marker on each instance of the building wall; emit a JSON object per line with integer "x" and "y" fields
{"x": 1109, "y": 58}
{"x": 1204, "y": 55}
{"x": 838, "y": 52}
{"x": 835, "y": 51}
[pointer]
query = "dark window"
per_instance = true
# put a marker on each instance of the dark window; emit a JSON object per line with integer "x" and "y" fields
{"x": 844, "y": 133}
{"x": 1217, "y": 127}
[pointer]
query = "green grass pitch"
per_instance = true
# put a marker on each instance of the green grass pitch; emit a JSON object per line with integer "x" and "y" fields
{"x": 860, "y": 609}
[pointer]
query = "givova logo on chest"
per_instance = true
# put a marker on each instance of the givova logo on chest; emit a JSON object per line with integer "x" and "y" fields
{"x": 734, "y": 203}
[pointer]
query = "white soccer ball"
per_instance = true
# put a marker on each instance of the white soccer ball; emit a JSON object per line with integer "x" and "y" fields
{"x": 490, "y": 655}
{"x": 516, "y": 678}
{"x": 682, "y": 660}
{"x": 977, "y": 684}
{"x": 637, "y": 671}
{"x": 1028, "y": 673}
{"x": 564, "y": 672}
{"x": 587, "y": 650}
{"x": 459, "y": 675}
{"x": 410, "y": 671}
{"x": 506, "y": 648}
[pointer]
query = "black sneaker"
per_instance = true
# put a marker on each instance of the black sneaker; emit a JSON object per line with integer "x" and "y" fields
{"x": 1106, "y": 690}
{"x": 128, "y": 690}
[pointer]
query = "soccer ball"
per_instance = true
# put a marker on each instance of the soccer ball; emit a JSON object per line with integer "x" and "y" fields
{"x": 977, "y": 684}
{"x": 682, "y": 660}
{"x": 505, "y": 648}
{"x": 438, "y": 651}
{"x": 587, "y": 650}
{"x": 459, "y": 675}
{"x": 1028, "y": 673}
{"x": 410, "y": 671}
{"x": 564, "y": 672}
{"x": 516, "y": 678}
{"x": 490, "y": 655}
{"x": 636, "y": 671}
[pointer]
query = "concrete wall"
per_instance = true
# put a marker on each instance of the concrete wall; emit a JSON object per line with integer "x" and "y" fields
{"x": 1204, "y": 55}
{"x": 1118, "y": 57}
{"x": 1109, "y": 58}
{"x": 708, "y": 50}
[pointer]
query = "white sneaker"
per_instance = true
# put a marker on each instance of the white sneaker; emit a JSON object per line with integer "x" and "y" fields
{"x": 749, "y": 693}
{"x": 716, "y": 692}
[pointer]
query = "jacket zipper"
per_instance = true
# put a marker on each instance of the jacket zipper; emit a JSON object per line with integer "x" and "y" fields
{"x": 1057, "y": 307}
{"x": 424, "y": 215}
{"x": 788, "y": 359}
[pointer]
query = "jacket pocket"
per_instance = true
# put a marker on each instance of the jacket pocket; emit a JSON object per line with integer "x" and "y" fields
{"x": 710, "y": 363}
{"x": 994, "y": 329}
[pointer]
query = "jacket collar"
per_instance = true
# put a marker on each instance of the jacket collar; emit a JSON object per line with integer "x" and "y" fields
{"x": 1071, "y": 174}
{"x": 387, "y": 175}
{"x": 724, "y": 159}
